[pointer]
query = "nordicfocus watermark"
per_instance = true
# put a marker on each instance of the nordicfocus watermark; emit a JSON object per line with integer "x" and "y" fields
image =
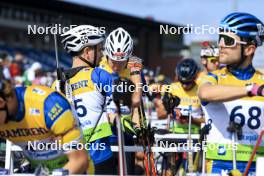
{"x": 125, "y": 87}
{"x": 186, "y": 146}
{"x": 56, "y": 29}
{"x": 192, "y": 29}
{"x": 58, "y": 145}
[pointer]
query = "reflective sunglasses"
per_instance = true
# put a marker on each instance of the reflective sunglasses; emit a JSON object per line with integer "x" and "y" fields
{"x": 228, "y": 41}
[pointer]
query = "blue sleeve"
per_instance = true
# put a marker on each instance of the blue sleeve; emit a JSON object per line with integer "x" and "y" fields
{"x": 54, "y": 106}
{"x": 103, "y": 80}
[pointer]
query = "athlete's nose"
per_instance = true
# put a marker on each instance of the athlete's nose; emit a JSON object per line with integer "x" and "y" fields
{"x": 221, "y": 43}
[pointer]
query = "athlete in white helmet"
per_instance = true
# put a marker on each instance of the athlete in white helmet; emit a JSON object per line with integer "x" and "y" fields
{"x": 86, "y": 39}
{"x": 119, "y": 45}
{"x": 84, "y": 44}
{"x": 119, "y": 62}
{"x": 209, "y": 59}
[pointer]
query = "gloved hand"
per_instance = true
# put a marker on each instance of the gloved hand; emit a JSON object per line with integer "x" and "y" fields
{"x": 134, "y": 64}
{"x": 128, "y": 126}
{"x": 170, "y": 102}
{"x": 179, "y": 117}
{"x": 178, "y": 113}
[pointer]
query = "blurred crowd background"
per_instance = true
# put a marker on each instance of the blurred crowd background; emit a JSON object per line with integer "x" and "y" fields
{"x": 29, "y": 58}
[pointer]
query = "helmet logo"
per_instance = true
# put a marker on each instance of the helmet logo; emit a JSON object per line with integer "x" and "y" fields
{"x": 260, "y": 29}
{"x": 119, "y": 54}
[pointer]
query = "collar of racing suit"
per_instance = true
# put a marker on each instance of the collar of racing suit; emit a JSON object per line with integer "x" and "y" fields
{"x": 73, "y": 71}
{"x": 243, "y": 74}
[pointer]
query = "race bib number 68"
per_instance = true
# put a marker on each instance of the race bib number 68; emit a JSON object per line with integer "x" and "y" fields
{"x": 249, "y": 116}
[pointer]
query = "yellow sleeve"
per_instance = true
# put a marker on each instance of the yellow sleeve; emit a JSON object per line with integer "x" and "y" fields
{"x": 59, "y": 118}
{"x": 66, "y": 127}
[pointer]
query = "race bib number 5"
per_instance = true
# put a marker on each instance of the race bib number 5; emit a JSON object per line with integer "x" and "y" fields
{"x": 80, "y": 108}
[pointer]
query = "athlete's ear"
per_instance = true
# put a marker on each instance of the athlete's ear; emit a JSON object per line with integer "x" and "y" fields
{"x": 203, "y": 61}
{"x": 250, "y": 50}
{"x": 86, "y": 52}
{"x": 2, "y": 102}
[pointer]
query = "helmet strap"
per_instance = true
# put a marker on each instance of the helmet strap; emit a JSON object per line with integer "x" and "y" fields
{"x": 86, "y": 61}
{"x": 95, "y": 56}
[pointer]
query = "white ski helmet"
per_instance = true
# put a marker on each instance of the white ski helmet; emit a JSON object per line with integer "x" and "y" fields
{"x": 81, "y": 36}
{"x": 119, "y": 45}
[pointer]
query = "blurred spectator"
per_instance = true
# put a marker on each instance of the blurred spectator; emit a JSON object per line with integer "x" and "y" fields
{"x": 22, "y": 61}
{"x": 148, "y": 75}
{"x": 32, "y": 73}
{"x": 5, "y": 62}
{"x": 18, "y": 67}
{"x": 14, "y": 69}
{"x": 18, "y": 81}
{"x": 48, "y": 79}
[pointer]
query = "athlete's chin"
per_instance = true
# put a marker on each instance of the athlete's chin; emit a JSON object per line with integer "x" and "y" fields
{"x": 223, "y": 59}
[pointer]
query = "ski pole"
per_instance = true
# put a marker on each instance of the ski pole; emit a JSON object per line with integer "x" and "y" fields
{"x": 254, "y": 152}
{"x": 190, "y": 154}
{"x": 120, "y": 138}
{"x": 234, "y": 149}
{"x": 148, "y": 155}
{"x": 205, "y": 132}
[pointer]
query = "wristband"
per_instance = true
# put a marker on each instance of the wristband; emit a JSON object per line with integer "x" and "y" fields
{"x": 260, "y": 90}
{"x": 255, "y": 90}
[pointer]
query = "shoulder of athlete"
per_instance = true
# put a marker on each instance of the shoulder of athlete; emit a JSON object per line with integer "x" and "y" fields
{"x": 39, "y": 91}
{"x": 100, "y": 77}
{"x": 200, "y": 74}
{"x": 212, "y": 77}
{"x": 55, "y": 107}
{"x": 174, "y": 86}
{"x": 104, "y": 65}
{"x": 103, "y": 61}
{"x": 59, "y": 119}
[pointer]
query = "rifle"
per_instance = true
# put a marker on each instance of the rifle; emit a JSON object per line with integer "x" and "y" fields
{"x": 61, "y": 79}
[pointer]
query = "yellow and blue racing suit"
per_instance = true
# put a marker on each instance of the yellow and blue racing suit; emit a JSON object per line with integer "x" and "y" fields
{"x": 249, "y": 109}
{"x": 43, "y": 115}
{"x": 89, "y": 88}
